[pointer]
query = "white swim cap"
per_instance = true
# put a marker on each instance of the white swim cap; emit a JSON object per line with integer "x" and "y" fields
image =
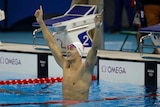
{"x": 79, "y": 47}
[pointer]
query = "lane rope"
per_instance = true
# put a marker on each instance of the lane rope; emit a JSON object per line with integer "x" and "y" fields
{"x": 34, "y": 81}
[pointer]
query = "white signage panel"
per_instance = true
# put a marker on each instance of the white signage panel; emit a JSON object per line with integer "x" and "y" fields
{"x": 158, "y": 75}
{"x": 17, "y": 65}
{"x": 54, "y": 70}
{"x": 121, "y": 71}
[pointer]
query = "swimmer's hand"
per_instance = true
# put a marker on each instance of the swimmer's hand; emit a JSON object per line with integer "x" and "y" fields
{"x": 39, "y": 14}
{"x": 98, "y": 19}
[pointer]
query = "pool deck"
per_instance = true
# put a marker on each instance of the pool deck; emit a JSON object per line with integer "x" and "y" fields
{"x": 28, "y": 48}
{"x": 16, "y": 47}
{"x": 121, "y": 55}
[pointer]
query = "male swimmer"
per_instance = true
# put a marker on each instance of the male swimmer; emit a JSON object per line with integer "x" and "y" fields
{"x": 77, "y": 76}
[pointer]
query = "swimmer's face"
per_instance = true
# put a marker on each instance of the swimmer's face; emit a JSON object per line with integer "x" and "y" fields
{"x": 71, "y": 52}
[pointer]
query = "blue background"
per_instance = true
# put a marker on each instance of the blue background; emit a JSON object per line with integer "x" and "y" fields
{"x": 20, "y": 13}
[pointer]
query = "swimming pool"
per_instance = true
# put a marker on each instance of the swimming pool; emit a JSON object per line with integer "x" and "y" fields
{"x": 102, "y": 94}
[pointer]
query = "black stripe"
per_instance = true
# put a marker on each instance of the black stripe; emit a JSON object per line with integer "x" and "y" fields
{"x": 151, "y": 75}
{"x": 42, "y": 65}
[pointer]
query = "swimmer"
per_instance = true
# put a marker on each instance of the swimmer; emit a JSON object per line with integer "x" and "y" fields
{"x": 77, "y": 76}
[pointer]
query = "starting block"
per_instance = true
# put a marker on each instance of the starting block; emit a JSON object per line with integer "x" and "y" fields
{"x": 73, "y": 26}
{"x": 152, "y": 32}
{"x": 2, "y": 16}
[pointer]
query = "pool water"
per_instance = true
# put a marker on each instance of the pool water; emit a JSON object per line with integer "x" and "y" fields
{"x": 102, "y": 94}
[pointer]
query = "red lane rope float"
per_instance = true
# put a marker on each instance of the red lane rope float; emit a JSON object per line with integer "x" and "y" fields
{"x": 35, "y": 81}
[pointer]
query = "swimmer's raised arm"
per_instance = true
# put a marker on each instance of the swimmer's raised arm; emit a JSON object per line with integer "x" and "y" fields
{"x": 51, "y": 41}
{"x": 91, "y": 57}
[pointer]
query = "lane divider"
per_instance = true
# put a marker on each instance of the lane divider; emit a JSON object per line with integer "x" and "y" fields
{"x": 34, "y": 81}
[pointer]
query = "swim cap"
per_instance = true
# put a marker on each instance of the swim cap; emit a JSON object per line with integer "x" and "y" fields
{"x": 79, "y": 47}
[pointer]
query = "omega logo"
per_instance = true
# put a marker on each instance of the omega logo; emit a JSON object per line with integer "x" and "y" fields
{"x": 111, "y": 69}
{"x": 10, "y": 61}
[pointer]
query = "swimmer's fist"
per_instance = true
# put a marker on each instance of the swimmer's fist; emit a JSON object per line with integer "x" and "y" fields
{"x": 98, "y": 19}
{"x": 39, "y": 14}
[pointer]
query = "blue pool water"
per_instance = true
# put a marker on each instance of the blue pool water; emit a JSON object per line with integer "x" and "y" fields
{"x": 102, "y": 94}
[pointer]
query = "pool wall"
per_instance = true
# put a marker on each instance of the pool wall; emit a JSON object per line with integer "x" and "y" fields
{"x": 21, "y": 61}
{"x": 127, "y": 67}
